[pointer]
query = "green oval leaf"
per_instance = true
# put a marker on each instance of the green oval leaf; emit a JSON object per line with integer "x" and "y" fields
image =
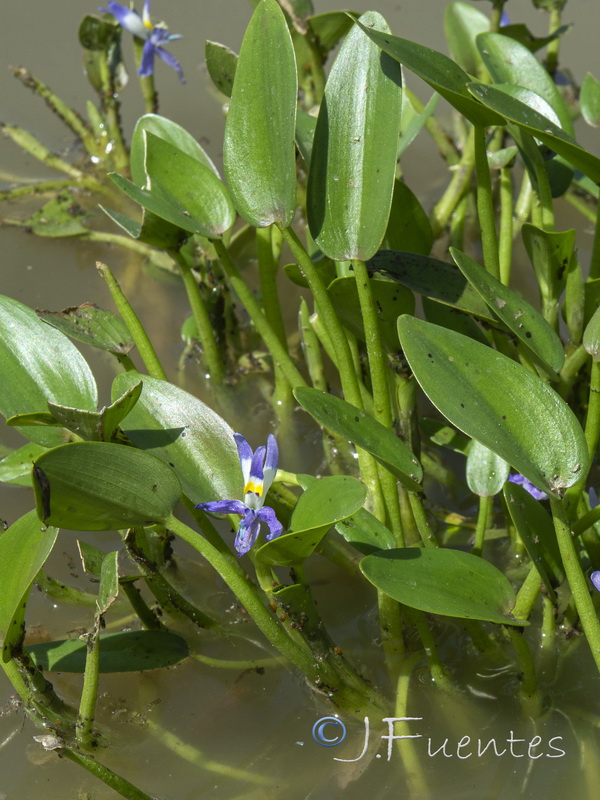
{"x": 92, "y": 325}
{"x": 24, "y": 548}
{"x": 15, "y": 468}
{"x": 499, "y": 99}
{"x": 462, "y": 24}
{"x": 440, "y": 581}
{"x": 408, "y": 226}
{"x": 522, "y": 319}
{"x": 97, "y": 486}
{"x": 353, "y": 159}
{"x": 169, "y": 132}
{"x": 128, "y": 651}
{"x": 433, "y": 278}
{"x": 440, "y": 72}
{"x": 486, "y": 472}
{"x": 591, "y": 336}
{"x": 324, "y": 503}
{"x": 190, "y": 184}
{"x": 509, "y": 61}
{"x": 499, "y": 402}
{"x": 536, "y": 529}
{"x": 340, "y": 417}
{"x": 589, "y": 100}
{"x": 365, "y": 532}
{"x": 221, "y": 63}
{"x": 186, "y": 434}
{"x": 258, "y": 150}
{"x": 38, "y": 363}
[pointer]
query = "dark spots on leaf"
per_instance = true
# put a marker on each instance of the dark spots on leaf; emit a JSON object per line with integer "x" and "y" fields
{"x": 462, "y": 405}
{"x": 356, "y": 419}
{"x": 503, "y": 416}
{"x": 44, "y": 485}
{"x": 528, "y": 334}
{"x": 171, "y": 464}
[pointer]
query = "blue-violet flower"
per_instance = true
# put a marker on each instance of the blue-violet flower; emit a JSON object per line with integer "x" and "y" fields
{"x": 595, "y": 578}
{"x": 154, "y": 35}
{"x": 528, "y": 486}
{"x": 259, "y": 469}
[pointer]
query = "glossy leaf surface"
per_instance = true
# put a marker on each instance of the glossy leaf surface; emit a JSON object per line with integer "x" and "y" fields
{"x": 169, "y": 132}
{"x": 193, "y": 186}
{"x": 38, "y": 363}
{"x": 324, "y": 503}
{"x": 440, "y": 72}
{"x": 589, "y": 100}
{"x": 408, "y": 226}
{"x": 15, "y": 468}
{"x": 221, "y": 63}
{"x": 509, "y": 61}
{"x": 96, "y": 486}
{"x": 24, "y": 548}
{"x": 536, "y": 529}
{"x": 498, "y": 402}
{"x": 433, "y": 278}
{"x": 440, "y": 581}
{"x": 517, "y": 314}
{"x": 365, "y": 532}
{"x": 259, "y": 151}
{"x": 186, "y": 434}
{"x": 353, "y": 157}
{"x": 128, "y": 651}
{"x": 462, "y": 24}
{"x": 499, "y": 99}
{"x": 92, "y": 325}
{"x": 362, "y": 430}
{"x": 486, "y": 472}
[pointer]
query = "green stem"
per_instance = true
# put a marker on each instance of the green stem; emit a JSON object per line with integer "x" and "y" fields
{"x": 425, "y": 532}
{"x": 574, "y": 361}
{"x": 204, "y": 327}
{"x": 28, "y": 142}
{"x": 65, "y": 594}
{"x": 107, "y": 776}
{"x": 527, "y": 594}
{"x": 268, "y": 247}
{"x": 506, "y": 225}
{"x": 595, "y": 259}
{"x": 84, "y": 731}
{"x": 415, "y": 777}
{"x": 531, "y": 701}
{"x": 321, "y": 675}
{"x": 147, "y": 87}
{"x": 485, "y": 204}
{"x": 522, "y": 205}
{"x": 553, "y": 47}
{"x": 576, "y": 578}
{"x": 147, "y": 617}
{"x": 278, "y": 352}
{"x": 134, "y": 326}
{"x": 50, "y": 187}
{"x": 436, "y": 668}
{"x": 459, "y": 184}
{"x": 583, "y": 208}
{"x": 485, "y": 508}
{"x": 111, "y": 111}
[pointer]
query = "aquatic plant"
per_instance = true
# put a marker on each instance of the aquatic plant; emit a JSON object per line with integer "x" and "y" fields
{"x": 313, "y": 161}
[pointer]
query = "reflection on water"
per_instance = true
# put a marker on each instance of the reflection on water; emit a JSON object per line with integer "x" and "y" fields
{"x": 198, "y": 731}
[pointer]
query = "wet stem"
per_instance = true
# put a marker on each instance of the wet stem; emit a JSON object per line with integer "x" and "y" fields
{"x": 577, "y": 582}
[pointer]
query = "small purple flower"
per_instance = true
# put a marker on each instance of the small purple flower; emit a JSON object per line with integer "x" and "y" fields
{"x": 504, "y": 19}
{"x": 259, "y": 469}
{"x": 595, "y": 578}
{"x": 528, "y": 486}
{"x": 154, "y": 35}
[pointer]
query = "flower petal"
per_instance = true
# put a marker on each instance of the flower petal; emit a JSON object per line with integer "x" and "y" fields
{"x": 595, "y": 578}
{"x": 147, "y": 63}
{"x": 128, "y": 19}
{"x": 224, "y": 507}
{"x": 170, "y": 59}
{"x": 268, "y": 516}
{"x": 521, "y": 480}
{"x": 245, "y": 454}
{"x": 247, "y": 532}
{"x": 146, "y": 15}
{"x": 271, "y": 459}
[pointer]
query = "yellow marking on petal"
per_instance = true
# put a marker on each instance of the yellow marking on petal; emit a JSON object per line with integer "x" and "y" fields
{"x": 256, "y": 488}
